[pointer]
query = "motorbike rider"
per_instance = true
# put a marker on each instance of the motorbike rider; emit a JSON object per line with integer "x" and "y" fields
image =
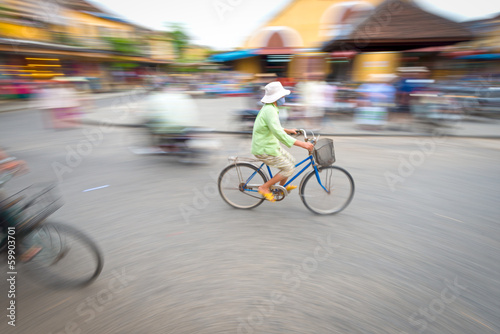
{"x": 10, "y": 164}
{"x": 170, "y": 113}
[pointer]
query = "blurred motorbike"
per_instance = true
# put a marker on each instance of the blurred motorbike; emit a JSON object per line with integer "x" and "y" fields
{"x": 172, "y": 128}
{"x": 190, "y": 145}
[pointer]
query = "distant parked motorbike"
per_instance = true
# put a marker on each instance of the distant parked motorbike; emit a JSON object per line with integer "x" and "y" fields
{"x": 433, "y": 110}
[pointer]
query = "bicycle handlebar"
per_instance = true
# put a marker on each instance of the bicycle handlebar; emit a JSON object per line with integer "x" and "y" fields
{"x": 313, "y": 140}
{"x": 304, "y": 133}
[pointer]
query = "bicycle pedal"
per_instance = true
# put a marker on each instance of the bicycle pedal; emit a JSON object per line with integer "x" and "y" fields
{"x": 279, "y": 191}
{"x": 277, "y": 186}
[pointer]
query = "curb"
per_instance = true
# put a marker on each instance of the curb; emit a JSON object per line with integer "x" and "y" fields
{"x": 371, "y": 135}
{"x": 222, "y": 132}
{"x": 121, "y": 125}
{"x": 85, "y": 99}
{"x": 13, "y": 109}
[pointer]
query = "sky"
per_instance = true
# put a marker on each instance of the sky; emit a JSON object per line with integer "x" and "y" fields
{"x": 225, "y": 24}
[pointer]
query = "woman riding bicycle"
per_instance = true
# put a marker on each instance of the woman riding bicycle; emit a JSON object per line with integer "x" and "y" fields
{"x": 266, "y": 138}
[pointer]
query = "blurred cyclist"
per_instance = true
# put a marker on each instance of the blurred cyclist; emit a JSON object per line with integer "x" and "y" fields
{"x": 7, "y": 165}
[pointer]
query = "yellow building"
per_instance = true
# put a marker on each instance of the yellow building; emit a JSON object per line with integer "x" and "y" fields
{"x": 323, "y": 38}
{"x": 75, "y": 38}
{"x": 196, "y": 53}
{"x": 91, "y": 29}
{"x": 161, "y": 48}
{"x": 98, "y": 30}
{"x": 18, "y": 22}
{"x": 289, "y": 43}
{"x": 366, "y": 64}
{"x": 309, "y": 23}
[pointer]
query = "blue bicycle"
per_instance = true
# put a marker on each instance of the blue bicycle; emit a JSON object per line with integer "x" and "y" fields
{"x": 325, "y": 189}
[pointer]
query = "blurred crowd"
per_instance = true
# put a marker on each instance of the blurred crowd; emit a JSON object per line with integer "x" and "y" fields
{"x": 315, "y": 99}
{"x": 411, "y": 92}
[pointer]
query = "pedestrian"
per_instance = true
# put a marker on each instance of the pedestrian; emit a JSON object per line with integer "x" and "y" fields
{"x": 62, "y": 103}
{"x": 267, "y": 135}
{"x": 312, "y": 99}
{"x": 46, "y": 103}
{"x": 374, "y": 100}
{"x": 328, "y": 90}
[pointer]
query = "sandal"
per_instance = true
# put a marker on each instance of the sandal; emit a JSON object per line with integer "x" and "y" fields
{"x": 269, "y": 196}
{"x": 290, "y": 188}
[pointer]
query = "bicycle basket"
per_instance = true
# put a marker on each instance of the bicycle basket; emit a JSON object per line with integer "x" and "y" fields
{"x": 31, "y": 206}
{"x": 324, "y": 153}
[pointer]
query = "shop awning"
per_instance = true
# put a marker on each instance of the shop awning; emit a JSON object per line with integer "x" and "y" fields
{"x": 233, "y": 55}
{"x": 429, "y": 49}
{"x": 463, "y": 53}
{"x": 486, "y": 56}
{"x": 26, "y": 47}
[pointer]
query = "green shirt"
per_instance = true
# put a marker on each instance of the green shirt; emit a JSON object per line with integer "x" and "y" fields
{"x": 268, "y": 132}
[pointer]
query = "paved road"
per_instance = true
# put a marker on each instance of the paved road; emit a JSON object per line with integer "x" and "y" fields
{"x": 416, "y": 251}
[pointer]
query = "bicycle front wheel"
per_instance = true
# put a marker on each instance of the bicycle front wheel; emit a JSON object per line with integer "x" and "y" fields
{"x": 336, "y": 195}
{"x": 238, "y": 184}
{"x": 67, "y": 257}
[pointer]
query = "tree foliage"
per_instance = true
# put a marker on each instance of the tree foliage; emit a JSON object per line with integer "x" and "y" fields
{"x": 124, "y": 45}
{"x": 180, "y": 39}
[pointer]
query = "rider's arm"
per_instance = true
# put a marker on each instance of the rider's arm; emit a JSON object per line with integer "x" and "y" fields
{"x": 307, "y": 146}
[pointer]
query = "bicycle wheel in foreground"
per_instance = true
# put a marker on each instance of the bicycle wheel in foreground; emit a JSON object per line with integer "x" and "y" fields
{"x": 339, "y": 184}
{"x": 68, "y": 258}
{"x": 232, "y": 181}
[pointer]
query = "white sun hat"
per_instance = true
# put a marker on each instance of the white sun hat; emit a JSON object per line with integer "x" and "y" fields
{"x": 274, "y": 92}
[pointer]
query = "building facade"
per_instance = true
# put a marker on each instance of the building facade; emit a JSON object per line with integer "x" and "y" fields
{"x": 44, "y": 39}
{"x": 289, "y": 43}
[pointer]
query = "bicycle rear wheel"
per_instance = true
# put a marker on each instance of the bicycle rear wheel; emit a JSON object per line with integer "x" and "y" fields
{"x": 67, "y": 257}
{"x": 238, "y": 185}
{"x": 340, "y": 190}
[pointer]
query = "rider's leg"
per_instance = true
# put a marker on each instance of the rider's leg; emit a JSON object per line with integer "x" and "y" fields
{"x": 275, "y": 179}
{"x": 282, "y": 182}
{"x": 284, "y": 162}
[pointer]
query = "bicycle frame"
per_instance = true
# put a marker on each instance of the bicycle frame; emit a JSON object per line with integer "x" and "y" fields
{"x": 310, "y": 163}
